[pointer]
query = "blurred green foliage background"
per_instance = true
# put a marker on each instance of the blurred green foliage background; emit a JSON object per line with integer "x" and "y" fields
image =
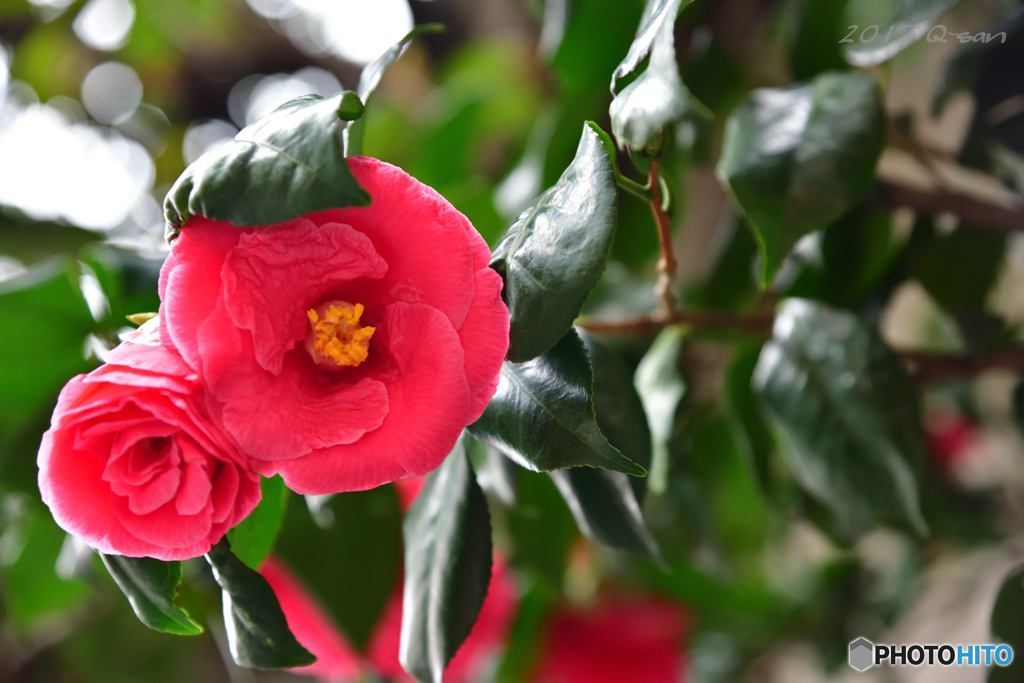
{"x": 104, "y": 102}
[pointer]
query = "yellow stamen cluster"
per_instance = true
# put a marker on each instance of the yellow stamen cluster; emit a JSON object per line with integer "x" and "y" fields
{"x": 336, "y": 339}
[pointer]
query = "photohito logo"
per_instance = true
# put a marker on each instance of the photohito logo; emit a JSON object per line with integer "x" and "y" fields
{"x": 864, "y": 654}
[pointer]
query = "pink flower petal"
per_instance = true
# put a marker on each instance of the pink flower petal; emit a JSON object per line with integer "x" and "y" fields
{"x": 428, "y": 398}
{"x": 484, "y": 336}
{"x": 144, "y": 499}
{"x": 194, "y": 494}
{"x": 192, "y": 284}
{"x": 164, "y": 526}
{"x": 293, "y": 414}
{"x": 419, "y": 235}
{"x": 273, "y": 275}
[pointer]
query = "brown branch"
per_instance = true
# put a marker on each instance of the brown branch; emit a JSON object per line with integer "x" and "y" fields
{"x": 758, "y": 324}
{"x": 966, "y": 207}
{"x": 930, "y": 367}
{"x": 927, "y": 367}
{"x": 667, "y": 260}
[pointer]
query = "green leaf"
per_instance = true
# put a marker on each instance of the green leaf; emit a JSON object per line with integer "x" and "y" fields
{"x": 363, "y": 524}
{"x": 619, "y": 410}
{"x": 974, "y": 255}
{"x": 797, "y": 158}
{"x": 45, "y": 323}
{"x": 846, "y": 416}
{"x": 540, "y": 529}
{"x": 253, "y": 539}
{"x": 1008, "y": 627}
{"x": 287, "y": 164}
{"x": 542, "y": 415}
{"x": 754, "y": 437}
{"x": 657, "y": 97}
{"x": 582, "y": 70}
{"x": 606, "y": 509}
{"x": 369, "y": 79}
{"x": 447, "y": 567}
{"x": 661, "y": 386}
{"x": 258, "y": 634}
{"x": 878, "y": 30}
{"x": 819, "y": 28}
{"x": 151, "y": 587}
{"x": 555, "y": 252}
{"x": 350, "y": 108}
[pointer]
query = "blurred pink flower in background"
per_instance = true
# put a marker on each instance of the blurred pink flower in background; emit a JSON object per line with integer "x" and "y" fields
{"x": 338, "y": 660}
{"x": 614, "y": 640}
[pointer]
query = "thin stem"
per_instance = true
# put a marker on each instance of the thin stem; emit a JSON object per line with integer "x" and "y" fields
{"x": 967, "y": 208}
{"x": 758, "y": 324}
{"x": 919, "y": 153}
{"x": 927, "y": 367}
{"x": 667, "y": 261}
{"x": 631, "y": 186}
{"x": 930, "y": 367}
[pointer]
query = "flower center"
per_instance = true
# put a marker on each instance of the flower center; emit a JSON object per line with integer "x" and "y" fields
{"x": 336, "y": 340}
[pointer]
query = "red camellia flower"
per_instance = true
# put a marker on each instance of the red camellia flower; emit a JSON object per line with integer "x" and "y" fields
{"x": 337, "y": 660}
{"x": 132, "y": 465}
{"x": 615, "y": 640}
{"x": 346, "y": 348}
{"x": 950, "y": 437}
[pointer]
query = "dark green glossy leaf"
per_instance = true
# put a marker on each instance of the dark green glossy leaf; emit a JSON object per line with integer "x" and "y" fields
{"x": 796, "y": 158}
{"x": 369, "y": 79}
{"x": 656, "y": 97}
{"x": 606, "y": 509}
{"x": 660, "y": 383}
{"x": 287, "y": 164}
{"x": 447, "y": 567}
{"x": 846, "y": 416}
{"x": 253, "y": 539}
{"x": 542, "y": 415}
{"x": 151, "y": 587}
{"x": 1008, "y": 626}
{"x": 555, "y": 252}
{"x": 258, "y": 634}
{"x": 619, "y": 410}
{"x": 878, "y": 30}
{"x": 363, "y": 524}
